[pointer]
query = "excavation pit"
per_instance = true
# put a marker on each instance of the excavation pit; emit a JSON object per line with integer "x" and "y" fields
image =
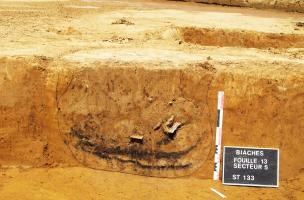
{"x": 74, "y": 88}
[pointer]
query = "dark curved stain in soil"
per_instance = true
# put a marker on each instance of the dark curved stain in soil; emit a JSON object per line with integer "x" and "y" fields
{"x": 89, "y": 145}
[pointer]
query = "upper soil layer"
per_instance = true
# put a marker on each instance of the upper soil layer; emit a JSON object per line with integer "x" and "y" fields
{"x": 78, "y": 78}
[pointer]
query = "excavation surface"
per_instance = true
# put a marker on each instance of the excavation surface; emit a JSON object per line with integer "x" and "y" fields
{"x": 79, "y": 79}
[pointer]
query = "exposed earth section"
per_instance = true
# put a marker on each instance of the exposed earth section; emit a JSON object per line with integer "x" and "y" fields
{"x": 131, "y": 87}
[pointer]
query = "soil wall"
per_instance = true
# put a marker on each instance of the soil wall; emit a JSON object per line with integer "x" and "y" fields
{"x": 82, "y": 114}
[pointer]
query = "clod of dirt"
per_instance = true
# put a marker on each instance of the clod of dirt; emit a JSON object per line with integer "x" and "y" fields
{"x": 69, "y": 31}
{"x": 119, "y": 40}
{"x": 207, "y": 66}
{"x": 123, "y": 21}
{"x": 300, "y": 24}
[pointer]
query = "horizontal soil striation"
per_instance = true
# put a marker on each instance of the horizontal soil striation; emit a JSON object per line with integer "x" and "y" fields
{"x": 240, "y": 38}
{"x": 84, "y": 115}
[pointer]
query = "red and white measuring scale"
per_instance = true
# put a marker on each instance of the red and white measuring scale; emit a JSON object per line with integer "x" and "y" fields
{"x": 218, "y": 137}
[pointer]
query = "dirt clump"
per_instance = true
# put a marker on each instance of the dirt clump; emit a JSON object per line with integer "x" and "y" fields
{"x": 300, "y": 24}
{"x": 123, "y": 21}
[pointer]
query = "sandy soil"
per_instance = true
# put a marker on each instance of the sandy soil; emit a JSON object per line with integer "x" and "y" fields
{"x": 83, "y": 183}
{"x": 77, "y": 78}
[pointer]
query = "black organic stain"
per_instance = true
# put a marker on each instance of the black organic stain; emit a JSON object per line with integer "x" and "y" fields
{"x": 112, "y": 153}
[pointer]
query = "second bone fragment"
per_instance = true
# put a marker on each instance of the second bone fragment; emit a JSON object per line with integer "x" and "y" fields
{"x": 170, "y": 126}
